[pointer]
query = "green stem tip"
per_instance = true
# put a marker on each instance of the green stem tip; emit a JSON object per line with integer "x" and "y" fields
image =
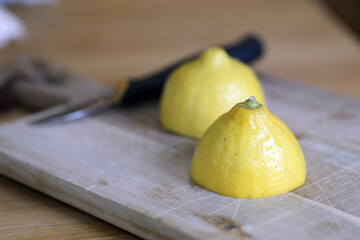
{"x": 251, "y": 103}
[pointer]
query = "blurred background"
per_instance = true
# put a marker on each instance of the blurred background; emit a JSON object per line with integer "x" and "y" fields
{"x": 313, "y": 42}
{"x": 347, "y": 11}
{"x": 110, "y": 39}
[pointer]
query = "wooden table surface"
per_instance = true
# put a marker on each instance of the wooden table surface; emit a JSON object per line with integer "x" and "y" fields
{"x": 109, "y": 39}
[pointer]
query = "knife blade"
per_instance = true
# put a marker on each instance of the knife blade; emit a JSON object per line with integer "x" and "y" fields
{"x": 135, "y": 90}
{"x": 86, "y": 109}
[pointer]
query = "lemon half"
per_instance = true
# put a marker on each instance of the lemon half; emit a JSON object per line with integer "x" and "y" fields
{"x": 199, "y": 91}
{"x": 248, "y": 153}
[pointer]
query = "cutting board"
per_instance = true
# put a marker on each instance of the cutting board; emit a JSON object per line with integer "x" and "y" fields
{"x": 123, "y": 168}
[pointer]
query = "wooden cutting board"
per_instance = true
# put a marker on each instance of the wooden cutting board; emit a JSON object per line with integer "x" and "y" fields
{"x": 122, "y": 167}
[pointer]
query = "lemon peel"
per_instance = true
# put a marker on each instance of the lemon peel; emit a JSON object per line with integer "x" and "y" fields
{"x": 248, "y": 153}
{"x": 199, "y": 91}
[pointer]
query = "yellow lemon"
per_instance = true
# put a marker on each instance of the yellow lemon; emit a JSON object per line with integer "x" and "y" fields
{"x": 199, "y": 91}
{"x": 248, "y": 153}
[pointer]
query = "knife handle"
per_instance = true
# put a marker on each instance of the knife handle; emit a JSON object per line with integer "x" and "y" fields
{"x": 140, "y": 89}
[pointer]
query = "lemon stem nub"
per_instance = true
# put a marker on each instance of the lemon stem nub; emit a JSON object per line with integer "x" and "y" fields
{"x": 251, "y": 103}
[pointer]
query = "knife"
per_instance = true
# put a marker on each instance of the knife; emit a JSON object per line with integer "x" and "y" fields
{"x": 136, "y": 90}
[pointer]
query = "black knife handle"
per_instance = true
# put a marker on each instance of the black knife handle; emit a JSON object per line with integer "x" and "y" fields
{"x": 144, "y": 88}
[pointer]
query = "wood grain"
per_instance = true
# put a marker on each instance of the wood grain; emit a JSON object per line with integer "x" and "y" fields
{"x": 52, "y": 218}
{"x": 108, "y": 39}
{"x": 123, "y": 168}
